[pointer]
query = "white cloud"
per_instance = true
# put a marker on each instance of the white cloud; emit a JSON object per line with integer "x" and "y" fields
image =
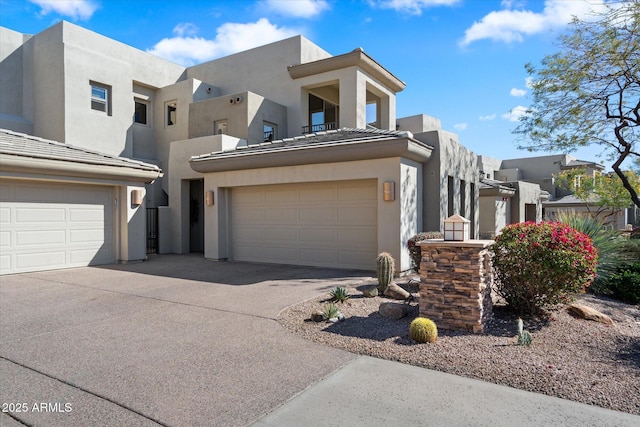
{"x": 298, "y": 8}
{"x": 487, "y": 117}
{"x": 414, "y": 7}
{"x": 186, "y": 48}
{"x": 515, "y": 113}
{"x": 460, "y": 126}
{"x": 74, "y": 9}
{"x": 509, "y": 25}
{"x": 517, "y": 92}
{"x": 528, "y": 82}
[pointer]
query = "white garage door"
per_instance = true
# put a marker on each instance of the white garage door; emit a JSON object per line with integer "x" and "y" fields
{"x": 49, "y": 226}
{"x": 330, "y": 224}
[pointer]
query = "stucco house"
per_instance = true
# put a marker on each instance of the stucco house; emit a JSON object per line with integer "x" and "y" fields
{"x": 282, "y": 153}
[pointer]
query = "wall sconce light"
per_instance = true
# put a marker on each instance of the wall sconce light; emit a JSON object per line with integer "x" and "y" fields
{"x": 388, "y": 191}
{"x": 208, "y": 198}
{"x": 136, "y": 197}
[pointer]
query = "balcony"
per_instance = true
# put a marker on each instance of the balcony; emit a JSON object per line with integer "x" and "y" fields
{"x": 319, "y": 127}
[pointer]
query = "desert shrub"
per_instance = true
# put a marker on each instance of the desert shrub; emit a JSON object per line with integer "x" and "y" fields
{"x": 624, "y": 285}
{"x": 610, "y": 245}
{"x": 541, "y": 265}
{"x": 414, "y": 249}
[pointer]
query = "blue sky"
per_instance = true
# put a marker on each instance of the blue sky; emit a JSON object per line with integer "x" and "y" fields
{"x": 462, "y": 60}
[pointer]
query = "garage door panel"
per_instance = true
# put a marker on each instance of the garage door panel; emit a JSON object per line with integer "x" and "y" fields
{"x": 37, "y": 260}
{"x": 277, "y": 215}
{"x": 319, "y": 236}
{"x": 5, "y": 215}
{"x": 280, "y": 196}
{"x": 88, "y": 215}
{"x": 318, "y": 195}
{"x": 250, "y": 216}
{"x": 281, "y": 233}
{"x": 55, "y": 225}
{"x": 323, "y": 224}
{"x": 357, "y": 216}
{"x": 39, "y": 215}
{"x": 40, "y": 237}
{"x": 318, "y": 215}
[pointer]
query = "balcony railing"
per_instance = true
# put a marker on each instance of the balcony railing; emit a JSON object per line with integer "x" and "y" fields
{"x": 320, "y": 127}
{"x": 269, "y": 136}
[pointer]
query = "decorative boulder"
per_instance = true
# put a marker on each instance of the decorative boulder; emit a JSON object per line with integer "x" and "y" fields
{"x": 317, "y": 316}
{"x": 396, "y": 292}
{"x": 589, "y": 313}
{"x": 370, "y": 291}
{"x": 392, "y": 310}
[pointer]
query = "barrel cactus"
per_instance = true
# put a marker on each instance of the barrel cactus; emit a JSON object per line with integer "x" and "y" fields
{"x": 385, "y": 267}
{"x": 524, "y": 336}
{"x": 423, "y": 330}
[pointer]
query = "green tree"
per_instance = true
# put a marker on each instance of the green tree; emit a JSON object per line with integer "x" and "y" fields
{"x": 605, "y": 192}
{"x": 589, "y": 92}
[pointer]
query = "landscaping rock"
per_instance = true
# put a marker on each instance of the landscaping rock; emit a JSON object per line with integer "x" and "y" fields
{"x": 589, "y": 313}
{"x": 317, "y": 316}
{"x": 392, "y": 310}
{"x": 396, "y": 292}
{"x": 370, "y": 292}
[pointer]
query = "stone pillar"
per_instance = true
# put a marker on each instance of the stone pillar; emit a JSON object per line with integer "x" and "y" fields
{"x": 455, "y": 284}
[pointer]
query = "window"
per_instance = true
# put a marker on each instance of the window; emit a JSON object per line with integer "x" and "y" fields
{"x": 171, "y": 112}
{"x": 463, "y": 197}
{"x": 450, "y": 191}
{"x": 140, "y": 114}
{"x": 270, "y": 131}
{"x": 100, "y": 97}
{"x": 372, "y": 114}
{"x": 220, "y": 127}
{"x": 323, "y": 115}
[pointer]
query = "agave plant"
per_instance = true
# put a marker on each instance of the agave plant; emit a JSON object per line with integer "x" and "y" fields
{"x": 608, "y": 242}
{"x": 339, "y": 294}
{"x": 330, "y": 311}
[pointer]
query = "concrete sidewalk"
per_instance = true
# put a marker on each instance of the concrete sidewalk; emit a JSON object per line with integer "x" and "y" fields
{"x": 375, "y": 392}
{"x": 182, "y": 341}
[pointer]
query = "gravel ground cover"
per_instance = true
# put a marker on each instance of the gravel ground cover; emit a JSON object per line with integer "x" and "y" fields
{"x": 570, "y": 358}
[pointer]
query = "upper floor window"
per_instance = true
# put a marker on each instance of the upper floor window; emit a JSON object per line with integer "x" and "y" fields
{"x": 171, "y": 107}
{"x": 270, "y": 131}
{"x": 100, "y": 97}
{"x": 323, "y": 115}
{"x": 220, "y": 127}
{"x": 140, "y": 113}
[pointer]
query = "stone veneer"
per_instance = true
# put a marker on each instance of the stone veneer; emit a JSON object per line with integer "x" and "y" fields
{"x": 455, "y": 284}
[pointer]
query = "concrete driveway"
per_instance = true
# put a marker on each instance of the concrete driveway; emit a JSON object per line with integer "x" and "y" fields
{"x": 177, "y": 340}
{"x": 182, "y": 341}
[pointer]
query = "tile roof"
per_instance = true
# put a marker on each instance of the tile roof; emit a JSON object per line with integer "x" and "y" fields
{"x": 329, "y": 137}
{"x": 28, "y": 146}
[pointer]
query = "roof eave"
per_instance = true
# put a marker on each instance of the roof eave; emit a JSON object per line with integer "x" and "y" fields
{"x": 312, "y": 154}
{"x": 356, "y": 58}
{"x": 19, "y": 164}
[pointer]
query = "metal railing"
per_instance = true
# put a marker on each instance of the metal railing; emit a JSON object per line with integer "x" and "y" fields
{"x": 320, "y": 127}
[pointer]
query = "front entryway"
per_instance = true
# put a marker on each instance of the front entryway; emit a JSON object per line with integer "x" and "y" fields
{"x": 196, "y": 215}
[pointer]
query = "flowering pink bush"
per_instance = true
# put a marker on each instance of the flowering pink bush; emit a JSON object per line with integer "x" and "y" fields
{"x": 539, "y": 265}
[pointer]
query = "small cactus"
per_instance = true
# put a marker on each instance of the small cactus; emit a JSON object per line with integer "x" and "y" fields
{"x": 524, "y": 337}
{"x": 385, "y": 268}
{"x": 423, "y": 330}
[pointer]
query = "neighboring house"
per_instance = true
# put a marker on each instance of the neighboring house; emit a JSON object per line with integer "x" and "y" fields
{"x": 506, "y": 197}
{"x": 616, "y": 219}
{"x": 283, "y": 153}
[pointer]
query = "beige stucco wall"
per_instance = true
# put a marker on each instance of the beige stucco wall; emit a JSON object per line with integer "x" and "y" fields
{"x": 449, "y": 158}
